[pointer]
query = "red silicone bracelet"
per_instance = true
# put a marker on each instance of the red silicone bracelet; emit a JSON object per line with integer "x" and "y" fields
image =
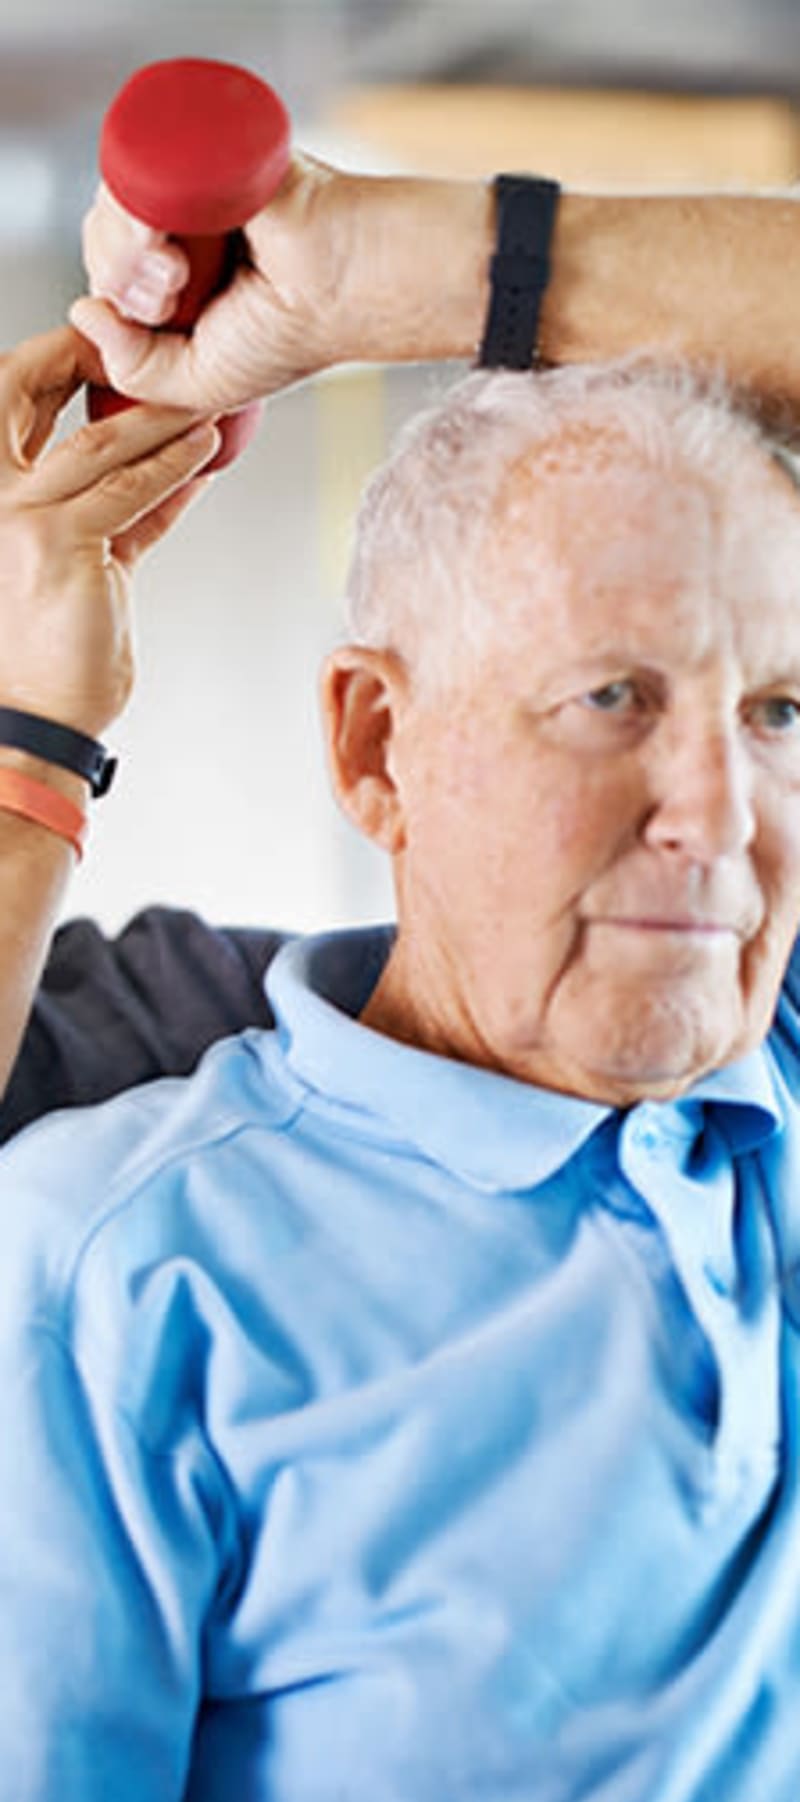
{"x": 46, "y": 806}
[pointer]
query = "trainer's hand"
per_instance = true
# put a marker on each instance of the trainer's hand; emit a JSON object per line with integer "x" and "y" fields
{"x": 280, "y": 319}
{"x": 73, "y": 521}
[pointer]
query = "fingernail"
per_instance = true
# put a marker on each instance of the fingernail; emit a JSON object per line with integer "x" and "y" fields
{"x": 141, "y": 301}
{"x": 154, "y": 279}
{"x": 158, "y": 269}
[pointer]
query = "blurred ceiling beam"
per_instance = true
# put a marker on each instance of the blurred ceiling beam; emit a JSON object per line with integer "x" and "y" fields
{"x": 745, "y": 46}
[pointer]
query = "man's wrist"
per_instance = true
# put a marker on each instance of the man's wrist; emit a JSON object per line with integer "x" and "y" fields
{"x": 418, "y": 284}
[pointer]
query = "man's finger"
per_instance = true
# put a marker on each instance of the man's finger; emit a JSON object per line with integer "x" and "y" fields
{"x": 171, "y": 367}
{"x": 121, "y": 253}
{"x": 139, "y": 362}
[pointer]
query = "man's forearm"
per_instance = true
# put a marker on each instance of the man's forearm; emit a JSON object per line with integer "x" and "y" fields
{"x": 346, "y": 267}
{"x": 714, "y": 277}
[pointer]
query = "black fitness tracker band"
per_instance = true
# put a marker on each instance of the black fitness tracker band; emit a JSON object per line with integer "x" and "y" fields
{"x": 71, "y": 750}
{"x": 519, "y": 270}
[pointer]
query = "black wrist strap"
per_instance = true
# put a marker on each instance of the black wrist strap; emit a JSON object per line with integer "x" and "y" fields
{"x": 519, "y": 270}
{"x": 71, "y": 750}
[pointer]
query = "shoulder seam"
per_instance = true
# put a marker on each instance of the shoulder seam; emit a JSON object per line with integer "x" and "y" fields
{"x": 226, "y": 1130}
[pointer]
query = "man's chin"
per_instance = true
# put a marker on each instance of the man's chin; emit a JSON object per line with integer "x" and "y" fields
{"x": 655, "y": 1047}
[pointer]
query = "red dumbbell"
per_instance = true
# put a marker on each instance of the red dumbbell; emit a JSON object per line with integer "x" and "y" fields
{"x": 195, "y": 148}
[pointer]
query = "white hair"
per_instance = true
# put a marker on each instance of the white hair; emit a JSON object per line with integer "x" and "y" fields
{"x": 421, "y": 528}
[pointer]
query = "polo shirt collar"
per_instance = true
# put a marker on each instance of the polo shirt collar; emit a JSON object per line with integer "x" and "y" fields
{"x": 493, "y": 1131}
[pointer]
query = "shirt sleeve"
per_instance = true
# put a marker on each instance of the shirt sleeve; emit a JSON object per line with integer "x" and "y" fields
{"x": 113, "y": 1012}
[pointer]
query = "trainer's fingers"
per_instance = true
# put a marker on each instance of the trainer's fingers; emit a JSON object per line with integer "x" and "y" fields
{"x": 99, "y": 448}
{"x": 36, "y": 382}
{"x": 123, "y": 497}
{"x": 129, "y": 546}
{"x": 50, "y": 406}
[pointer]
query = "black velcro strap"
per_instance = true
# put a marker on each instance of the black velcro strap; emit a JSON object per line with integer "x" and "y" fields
{"x": 62, "y": 745}
{"x": 519, "y": 270}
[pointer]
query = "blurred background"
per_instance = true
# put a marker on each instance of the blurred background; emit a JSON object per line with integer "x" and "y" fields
{"x": 221, "y": 801}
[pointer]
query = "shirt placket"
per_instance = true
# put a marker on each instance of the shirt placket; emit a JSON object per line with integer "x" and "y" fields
{"x": 676, "y": 1157}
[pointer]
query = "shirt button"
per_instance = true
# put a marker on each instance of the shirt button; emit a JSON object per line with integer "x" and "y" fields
{"x": 646, "y": 1136}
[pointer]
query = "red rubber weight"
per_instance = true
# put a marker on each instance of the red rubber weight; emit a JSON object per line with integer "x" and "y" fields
{"x": 195, "y": 148}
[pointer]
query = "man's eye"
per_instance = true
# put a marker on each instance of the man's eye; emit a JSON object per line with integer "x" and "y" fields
{"x": 778, "y": 713}
{"x": 612, "y": 697}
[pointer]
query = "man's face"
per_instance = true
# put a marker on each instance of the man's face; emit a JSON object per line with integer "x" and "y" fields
{"x": 599, "y": 873}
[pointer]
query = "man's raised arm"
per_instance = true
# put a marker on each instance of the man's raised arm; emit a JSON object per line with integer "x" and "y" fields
{"x": 347, "y": 267}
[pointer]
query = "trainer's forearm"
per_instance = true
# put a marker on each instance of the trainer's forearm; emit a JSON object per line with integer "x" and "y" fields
{"x": 714, "y": 277}
{"x": 35, "y": 870}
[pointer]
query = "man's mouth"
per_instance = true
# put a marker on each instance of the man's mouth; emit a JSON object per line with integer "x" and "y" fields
{"x": 667, "y": 923}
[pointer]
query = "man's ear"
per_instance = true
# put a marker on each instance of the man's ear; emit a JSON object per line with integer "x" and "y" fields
{"x": 363, "y": 692}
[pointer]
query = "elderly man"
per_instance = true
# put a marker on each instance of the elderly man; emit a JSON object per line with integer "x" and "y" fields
{"x": 405, "y": 1407}
{"x": 337, "y": 266}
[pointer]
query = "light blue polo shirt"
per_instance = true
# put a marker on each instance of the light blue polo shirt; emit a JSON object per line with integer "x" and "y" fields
{"x": 375, "y": 1428}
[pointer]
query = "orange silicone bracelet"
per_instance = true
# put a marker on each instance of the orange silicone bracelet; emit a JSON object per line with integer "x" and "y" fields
{"x": 47, "y": 806}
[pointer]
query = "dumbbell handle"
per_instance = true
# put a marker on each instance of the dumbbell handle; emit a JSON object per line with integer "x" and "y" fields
{"x": 195, "y": 148}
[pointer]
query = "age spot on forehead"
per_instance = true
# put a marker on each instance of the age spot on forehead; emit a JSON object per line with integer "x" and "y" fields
{"x": 588, "y": 515}
{"x": 591, "y": 517}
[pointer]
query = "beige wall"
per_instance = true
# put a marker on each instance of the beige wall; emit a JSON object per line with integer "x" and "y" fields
{"x": 604, "y": 138}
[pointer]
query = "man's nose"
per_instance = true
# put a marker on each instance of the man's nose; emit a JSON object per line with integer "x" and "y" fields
{"x": 704, "y": 800}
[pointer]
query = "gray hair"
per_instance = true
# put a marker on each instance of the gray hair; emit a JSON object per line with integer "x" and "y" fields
{"x": 421, "y": 528}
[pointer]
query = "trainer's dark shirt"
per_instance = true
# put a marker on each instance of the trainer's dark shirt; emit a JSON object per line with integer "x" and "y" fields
{"x": 112, "y": 1012}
